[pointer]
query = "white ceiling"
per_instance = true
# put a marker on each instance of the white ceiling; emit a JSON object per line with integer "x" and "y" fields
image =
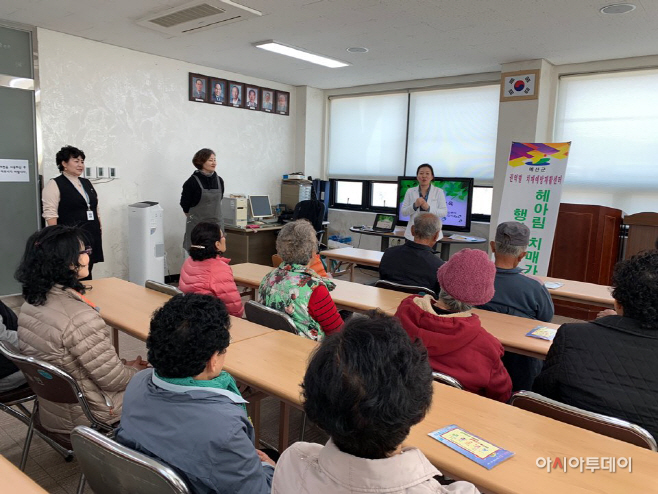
{"x": 407, "y": 39}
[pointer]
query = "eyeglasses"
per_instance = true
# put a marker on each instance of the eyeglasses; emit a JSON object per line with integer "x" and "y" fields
{"x": 86, "y": 251}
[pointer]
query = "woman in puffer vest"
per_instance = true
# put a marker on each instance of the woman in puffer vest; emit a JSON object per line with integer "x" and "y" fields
{"x": 59, "y": 325}
{"x": 206, "y": 271}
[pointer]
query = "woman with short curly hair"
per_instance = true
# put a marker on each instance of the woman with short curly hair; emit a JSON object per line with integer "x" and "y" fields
{"x": 365, "y": 387}
{"x": 609, "y": 365}
{"x": 296, "y": 289}
{"x": 59, "y": 325}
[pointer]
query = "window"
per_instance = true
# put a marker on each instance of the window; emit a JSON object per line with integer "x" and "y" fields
{"x": 455, "y": 131}
{"x": 349, "y": 193}
{"x": 482, "y": 199}
{"x": 383, "y": 195}
{"x": 611, "y": 120}
{"x": 378, "y": 136}
{"x": 367, "y": 136}
{"x": 363, "y": 195}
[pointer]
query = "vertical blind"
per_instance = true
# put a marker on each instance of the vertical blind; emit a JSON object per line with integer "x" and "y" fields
{"x": 452, "y": 129}
{"x": 612, "y": 121}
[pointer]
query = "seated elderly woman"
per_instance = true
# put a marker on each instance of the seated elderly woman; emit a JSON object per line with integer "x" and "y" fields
{"x": 457, "y": 343}
{"x": 296, "y": 289}
{"x": 367, "y": 415}
{"x": 609, "y": 365}
{"x": 59, "y": 325}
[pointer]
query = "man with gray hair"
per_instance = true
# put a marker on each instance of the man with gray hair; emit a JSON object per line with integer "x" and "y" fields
{"x": 415, "y": 263}
{"x": 518, "y": 295}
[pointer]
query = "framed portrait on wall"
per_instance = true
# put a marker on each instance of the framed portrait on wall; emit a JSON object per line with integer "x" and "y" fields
{"x": 235, "y": 94}
{"x": 252, "y": 97}
{"x": 218, "y": 92}
{"x": 198, "y": 87}
{"x": 267, "y": 98}
{"x": 283, "y": 102}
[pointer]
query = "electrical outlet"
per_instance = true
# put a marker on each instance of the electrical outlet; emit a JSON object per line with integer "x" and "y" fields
{"x": 101, "y": 172}
{"x": 113, "y": 172}
{"x": 90, "y": 172}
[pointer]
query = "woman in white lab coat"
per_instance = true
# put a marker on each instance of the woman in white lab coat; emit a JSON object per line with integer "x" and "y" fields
{"x": 423, "y": 199}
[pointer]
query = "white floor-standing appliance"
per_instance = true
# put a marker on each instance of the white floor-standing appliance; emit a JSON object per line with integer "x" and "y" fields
{"x": 146, "y": 252}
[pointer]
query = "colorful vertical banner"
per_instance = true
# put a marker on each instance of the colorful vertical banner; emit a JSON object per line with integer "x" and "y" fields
{"x": 531, "y": 195}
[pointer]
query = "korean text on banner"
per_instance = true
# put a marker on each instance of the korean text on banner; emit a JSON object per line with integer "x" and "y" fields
{"x": 531, "y": 195}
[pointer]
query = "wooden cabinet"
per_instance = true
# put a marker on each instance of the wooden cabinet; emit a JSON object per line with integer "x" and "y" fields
{"x": 585, "y": 248}
{"x": 642, "y": 233}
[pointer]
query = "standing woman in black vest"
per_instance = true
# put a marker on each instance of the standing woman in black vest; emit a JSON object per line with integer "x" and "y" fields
{"x": 72, "y": 200}
{"x": 201, "y": 199}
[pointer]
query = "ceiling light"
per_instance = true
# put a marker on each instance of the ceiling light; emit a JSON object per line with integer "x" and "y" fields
{"x": 618, "y": 8}
{"x": 357, "y": 49}
{"x": 291, "y": 51}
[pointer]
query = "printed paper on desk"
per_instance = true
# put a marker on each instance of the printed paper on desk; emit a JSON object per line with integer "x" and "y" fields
{"x": 552, "y": 285}
{"x": 472, "y": 447}
{"x": 542, "y": 332}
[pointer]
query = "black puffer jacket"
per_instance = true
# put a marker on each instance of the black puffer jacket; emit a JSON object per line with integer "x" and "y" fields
{"x": 9, "y": 319}
{"x": 608, "y": 366}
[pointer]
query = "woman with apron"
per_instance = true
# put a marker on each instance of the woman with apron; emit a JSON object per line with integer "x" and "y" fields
{"x": 202, "y": 194}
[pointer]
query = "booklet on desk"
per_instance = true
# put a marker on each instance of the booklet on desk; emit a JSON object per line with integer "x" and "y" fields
{"x": 542, "y": 333}
{"x": 463, "y": 238}
{"x": 471, "y": 446}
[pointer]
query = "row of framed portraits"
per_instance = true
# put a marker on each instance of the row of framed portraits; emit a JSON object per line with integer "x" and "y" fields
{"x": 206, "y": 89}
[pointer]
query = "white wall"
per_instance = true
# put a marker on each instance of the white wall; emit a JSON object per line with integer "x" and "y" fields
{"x": 130, "y": 110}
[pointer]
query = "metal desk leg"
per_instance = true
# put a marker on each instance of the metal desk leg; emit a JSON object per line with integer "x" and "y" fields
{"x": 445, "y": 251}
{"x": 284, "y": 426}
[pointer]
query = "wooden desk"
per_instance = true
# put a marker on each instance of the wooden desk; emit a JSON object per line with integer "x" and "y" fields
{"x": 13, "y": 480}
{"x": 509, "y": 330}
{"x": 352, "y": 257}
{"x": 579, "y": 291}
{"x": 445, "y": 242}
{"x": 346, "y": 295}
{"x": 128, "y": 307}
{"x": 249, "y": 245}
{"x": 276, "y": 363}
{"x": 529, "y": 436}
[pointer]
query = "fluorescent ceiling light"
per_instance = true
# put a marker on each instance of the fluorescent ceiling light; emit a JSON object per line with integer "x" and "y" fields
{"x": 290, "y": 51}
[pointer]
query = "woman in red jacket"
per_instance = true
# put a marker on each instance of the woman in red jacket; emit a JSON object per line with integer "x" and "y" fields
{"x": 456, "y": 342}
{"x": 206, "y": 271}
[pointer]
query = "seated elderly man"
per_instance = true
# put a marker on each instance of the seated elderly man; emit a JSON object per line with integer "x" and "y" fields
{"x": 295, "y": 289}
{"x": 415, "y": 263}
{"x": 518, "y": 295}
{"x": 609, "y": 365}
{"x": 456, "y": 342}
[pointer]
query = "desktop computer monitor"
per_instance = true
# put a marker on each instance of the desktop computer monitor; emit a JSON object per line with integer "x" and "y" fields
{"x": 260, "y": 206}
{"x": 459, "y": 199}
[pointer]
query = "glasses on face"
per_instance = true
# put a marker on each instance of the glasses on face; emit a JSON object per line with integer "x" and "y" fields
{"x": 86, "y": 251}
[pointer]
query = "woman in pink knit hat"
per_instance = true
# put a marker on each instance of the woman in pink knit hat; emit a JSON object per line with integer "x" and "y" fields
{"x": 456, "y": 342}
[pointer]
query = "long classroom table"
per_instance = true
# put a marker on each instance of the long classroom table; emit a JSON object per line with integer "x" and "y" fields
{"x": 276, "y": 363}
{"x": 580, "y": 292}
{"x": 13, "y": 480}
{"x": 352, "y": 256}
{"x": 128, "y": 307}
{"x": 509, "y": 330}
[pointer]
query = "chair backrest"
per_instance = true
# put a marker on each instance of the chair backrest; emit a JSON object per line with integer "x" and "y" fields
{"x": 111, "y": 468}
{"x": 271, "y": 318}
{"x": 162, "y": 287}
{"x": 399, "y": 287}
{"x": 312, "y": 210}
{"x": 276, "y": 260}
{"x": 596, "y": 422}
{"x": 446, "y": 379}
{"x": 50, "y": 382}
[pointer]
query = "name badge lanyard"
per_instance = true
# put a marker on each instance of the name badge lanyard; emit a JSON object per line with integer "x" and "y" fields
{"x": 90, "y": 213}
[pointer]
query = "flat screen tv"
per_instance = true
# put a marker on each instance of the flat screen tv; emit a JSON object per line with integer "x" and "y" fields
{"x": 459, "y": 198}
